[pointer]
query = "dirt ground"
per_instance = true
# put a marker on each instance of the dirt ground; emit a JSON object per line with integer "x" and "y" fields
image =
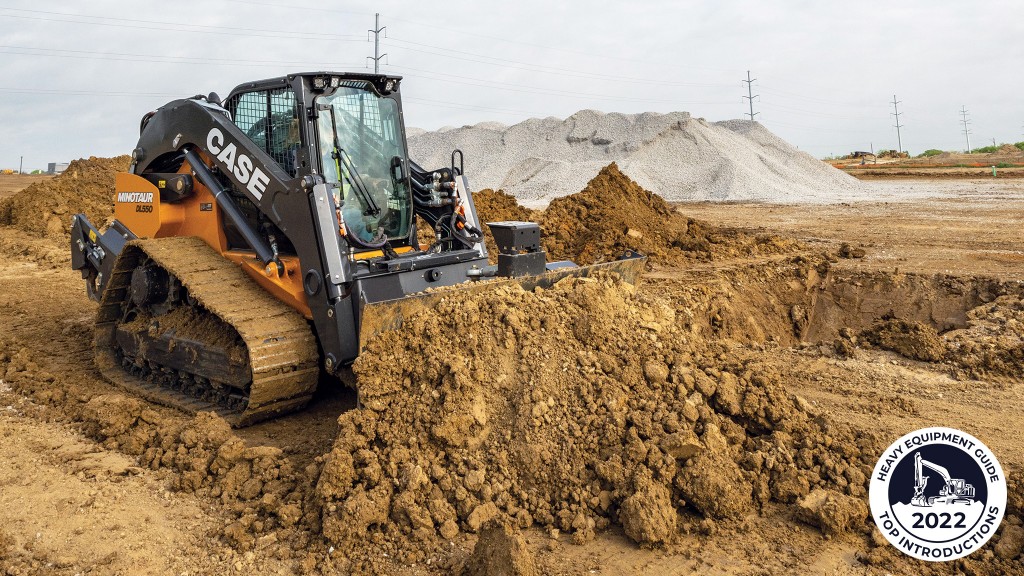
{"x": 11, "y": 183}
{"x": 82, "y": 491}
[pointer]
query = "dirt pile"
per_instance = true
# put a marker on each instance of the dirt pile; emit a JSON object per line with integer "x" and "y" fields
{"x": 45, "y": 208}
{"x": 913, "y": 340}
{"x": 992, "y": 345}
{"x": 614, "y": 214}
{"x": 585, "y": 405}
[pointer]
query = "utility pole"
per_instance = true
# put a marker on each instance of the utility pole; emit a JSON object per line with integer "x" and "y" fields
{"x": 376, "y": 43}
{"x": 895, "y": 106}
{"x": 967, "y": 131}
{"x": 750, "y": 95}
{"x": 21, "y": 165}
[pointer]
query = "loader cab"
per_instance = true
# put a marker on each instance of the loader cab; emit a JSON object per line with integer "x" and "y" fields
{"x": 362, "y": 152}
{"x": 347, "y": 128}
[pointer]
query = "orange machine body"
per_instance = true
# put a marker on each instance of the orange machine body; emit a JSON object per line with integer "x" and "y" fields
{"x": 138, "y": 206}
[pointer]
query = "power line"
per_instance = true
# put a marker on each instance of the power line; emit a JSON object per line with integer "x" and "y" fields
{"x": 156, "y": 58}
{"x": 895, "y": 106}
{"x": 829, "y": 101}
{"x": 530, "y": 67}
{"x": 526, "y": 89}
{"x": 418, "y": 24}
{"x": 447, "y": 104}
{"x": 51, "y": 91}
{"x": 750, "y": 95}
{"x": 164, "y": 26}
{"x": 966, "y": 130}
{"x": 423, "y": 74}
{"x": 376, "y": 43}
{"x": 804, "y": 112}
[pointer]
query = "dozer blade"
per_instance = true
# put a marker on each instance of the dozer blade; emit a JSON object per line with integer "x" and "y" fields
{"x": 228, "y": 346}
{"x": 386, "y": 315}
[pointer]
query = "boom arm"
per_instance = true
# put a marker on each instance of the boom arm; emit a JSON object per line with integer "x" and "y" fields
{"x": 942, "y": 471}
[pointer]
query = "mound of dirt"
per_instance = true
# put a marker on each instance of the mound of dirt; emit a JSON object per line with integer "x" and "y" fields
{"x": 44, "y": 209}
{"x": 992, "y": 345}
{"x": 585, "y": 405}
{"x": 614, "y": 214}
{"x": 910, "y": 339}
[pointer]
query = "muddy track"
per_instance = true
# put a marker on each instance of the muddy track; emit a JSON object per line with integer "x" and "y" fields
{"x": 280, "y": 360}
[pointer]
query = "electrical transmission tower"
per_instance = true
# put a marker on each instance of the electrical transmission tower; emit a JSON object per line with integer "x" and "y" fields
{"x": 895, "y": 106}
{"x": 750, "y": 95}
{"x": 376, "y": 43}
{"x": 967, "y": 130}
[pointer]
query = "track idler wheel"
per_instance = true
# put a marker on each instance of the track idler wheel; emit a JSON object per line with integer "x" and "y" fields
{"x": 150, "y": 285}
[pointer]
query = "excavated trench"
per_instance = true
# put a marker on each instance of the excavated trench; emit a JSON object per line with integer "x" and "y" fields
{"x": 856, "y": 300}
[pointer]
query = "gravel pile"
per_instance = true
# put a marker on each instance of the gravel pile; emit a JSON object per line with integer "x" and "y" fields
{"x": 674, "y": 155}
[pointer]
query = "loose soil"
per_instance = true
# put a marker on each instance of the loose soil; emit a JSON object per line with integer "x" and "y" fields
{"x": 45, "y": 209}
{"x": 690, "y": 424}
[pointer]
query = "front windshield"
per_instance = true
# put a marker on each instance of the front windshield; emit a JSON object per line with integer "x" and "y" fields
{"x": 368, "y": 141}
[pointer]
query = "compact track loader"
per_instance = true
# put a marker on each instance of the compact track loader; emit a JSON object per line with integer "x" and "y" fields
{"x": 259, "y": 240}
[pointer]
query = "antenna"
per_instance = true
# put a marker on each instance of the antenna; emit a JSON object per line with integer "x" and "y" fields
{"x": 750, "y": 95}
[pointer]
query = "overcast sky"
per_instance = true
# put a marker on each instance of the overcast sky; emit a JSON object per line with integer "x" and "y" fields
{"x": 76, "y": 77}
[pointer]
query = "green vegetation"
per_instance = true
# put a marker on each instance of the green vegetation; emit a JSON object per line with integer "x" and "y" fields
{"x": 985, "y": 149}
{"x": 1019, "y": 145}
{"x": 1005, "y": 165}
{"x": 929, "y": 153}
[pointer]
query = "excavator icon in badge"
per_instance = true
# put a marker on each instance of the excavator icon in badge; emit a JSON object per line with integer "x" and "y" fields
{"x": 955, "y": 491}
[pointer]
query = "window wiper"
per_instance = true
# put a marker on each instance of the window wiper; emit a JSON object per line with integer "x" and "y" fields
{"x": 357, "y": 180}
{"x": 353, "y": 175}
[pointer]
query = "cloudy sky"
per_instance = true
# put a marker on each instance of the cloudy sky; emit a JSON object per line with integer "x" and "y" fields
{"x": 76, "y": 77}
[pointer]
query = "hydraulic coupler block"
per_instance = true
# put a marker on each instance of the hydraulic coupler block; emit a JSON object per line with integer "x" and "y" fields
{"x": 519, "y": 251}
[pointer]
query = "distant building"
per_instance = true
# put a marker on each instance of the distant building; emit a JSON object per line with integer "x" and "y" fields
{"x": 56, "y": 167}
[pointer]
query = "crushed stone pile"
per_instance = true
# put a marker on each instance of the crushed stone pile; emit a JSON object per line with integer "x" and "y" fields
{"x": 44, "y": 209}
{"x": 673, "y": 155}
{"x": 585, "y": 405}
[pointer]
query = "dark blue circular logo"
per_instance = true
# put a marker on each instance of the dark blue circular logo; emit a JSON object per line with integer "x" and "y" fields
{"x": 938, "y": 494}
